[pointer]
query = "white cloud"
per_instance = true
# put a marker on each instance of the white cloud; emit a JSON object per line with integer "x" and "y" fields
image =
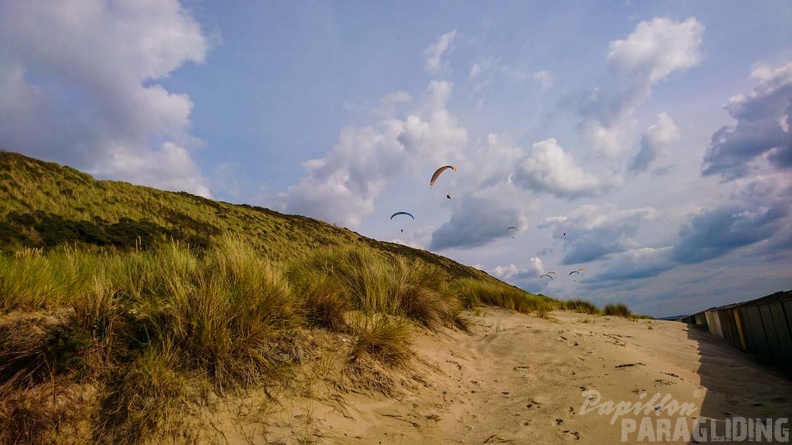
{"x": 342, "y": 186}
{"x": 438, "y": 93}
{"x": 655, "y": 49}
{"x": 534, "y": 269}
{"x": 488, "y": 71}
{"x": 171, "y": 168}
{"x": 550, "y": 169}
{"x": 433, "y": 56}
{"x": 482, "y": 67}
{"x": 655, "y": 141}
{"x": 77, "y": 82}
{"x": 545, "y": 78}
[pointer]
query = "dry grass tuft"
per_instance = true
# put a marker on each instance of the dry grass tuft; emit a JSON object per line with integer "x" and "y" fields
{"x": 617, "y": 309}
{"x": 385, "y": 339}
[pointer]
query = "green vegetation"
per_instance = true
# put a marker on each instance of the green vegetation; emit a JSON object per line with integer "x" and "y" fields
{"x": 120, "y": 306}
{"x": 476, "y": 292}
{"x": 582, "y": 306}
{"x": 618, "y": 310}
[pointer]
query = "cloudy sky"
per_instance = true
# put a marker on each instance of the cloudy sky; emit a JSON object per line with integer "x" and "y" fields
{"x": 649, "y": 143}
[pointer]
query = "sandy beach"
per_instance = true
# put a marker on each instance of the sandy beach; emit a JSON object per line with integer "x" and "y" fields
{"x": 522, "y": 379}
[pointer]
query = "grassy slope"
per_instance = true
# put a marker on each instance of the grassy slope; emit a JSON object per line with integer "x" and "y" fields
{"x": 109, "y": 329}
{"x": 44, "y": 205}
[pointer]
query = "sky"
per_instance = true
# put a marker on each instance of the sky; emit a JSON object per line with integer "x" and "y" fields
{"x": 647, "y": 143}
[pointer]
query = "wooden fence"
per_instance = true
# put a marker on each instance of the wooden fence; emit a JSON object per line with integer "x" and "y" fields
{"x": 762, "y": 327}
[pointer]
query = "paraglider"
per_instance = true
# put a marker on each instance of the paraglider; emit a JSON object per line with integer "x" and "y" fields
{"x": 437, "y": 175}
{"x": 402, "y": 213}
{"x": 448, "y": 196}
{"x": 512, "y": 228}
{"x": 577, "y": 272}
{"x": 546, "y": 275}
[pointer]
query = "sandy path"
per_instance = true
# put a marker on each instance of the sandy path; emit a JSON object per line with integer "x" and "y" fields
{"x": 521, "y": 379}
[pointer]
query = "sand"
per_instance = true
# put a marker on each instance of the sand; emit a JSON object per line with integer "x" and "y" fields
{"x": 524, "y": 380}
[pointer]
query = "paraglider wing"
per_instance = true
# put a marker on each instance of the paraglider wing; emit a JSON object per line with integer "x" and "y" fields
{"x": 574, "y": 271}
{"x": 546, "y": 275}
{"x": 512, "y": 228}
{"x": 402, "y": 213}
{"x": 437, "y": 173}
{"x": 551, "y": 273}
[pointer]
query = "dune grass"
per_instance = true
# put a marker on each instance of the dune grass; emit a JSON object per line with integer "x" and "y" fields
{"x": 473, "y": 293}
{"x": 142, "y": 296}
{"x": 618, "y": 310}
{"x": 582, "y": 306}
{"x": 151, "y": 327}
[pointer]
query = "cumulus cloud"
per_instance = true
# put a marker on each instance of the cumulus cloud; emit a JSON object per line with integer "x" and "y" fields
{"x": 760, "y": 211}
{"x": 593, "y": 232}
{"x": 533, "y": 269}
{"x": 655, "y": 141}
{"x": 763, "y": 133}
{"x": 91, "y": 102}
{"x": 477, "y": 221}
{"x": 656, "y": 49}
{"x": 433, "y": 56}
{"x": 550, "y": 169}
{"x": 342, "y": 186}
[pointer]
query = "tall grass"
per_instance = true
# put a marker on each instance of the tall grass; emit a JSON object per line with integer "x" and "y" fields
{"x": 386, "y": 339}
{"x": 617, "y": 309}
{"x": 141, "y": 396}
{"x": 378, "y": 284}
{"x": 582, "y": 306}
{"x": 474, "y": 292}
{"x": 151, "y": 324}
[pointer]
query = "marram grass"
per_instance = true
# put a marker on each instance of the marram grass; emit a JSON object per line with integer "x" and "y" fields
{"x": 151, "y": 324}
{"x": 145, "y": 296}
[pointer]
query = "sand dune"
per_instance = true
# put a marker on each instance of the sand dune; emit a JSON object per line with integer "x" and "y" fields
{"x": 522, "y": 379}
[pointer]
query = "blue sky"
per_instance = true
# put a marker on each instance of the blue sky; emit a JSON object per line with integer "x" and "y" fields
{"x": 647, "y": 142}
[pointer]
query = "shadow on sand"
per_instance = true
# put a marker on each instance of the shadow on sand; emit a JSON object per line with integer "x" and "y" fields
{"x": 742, "y": 401}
